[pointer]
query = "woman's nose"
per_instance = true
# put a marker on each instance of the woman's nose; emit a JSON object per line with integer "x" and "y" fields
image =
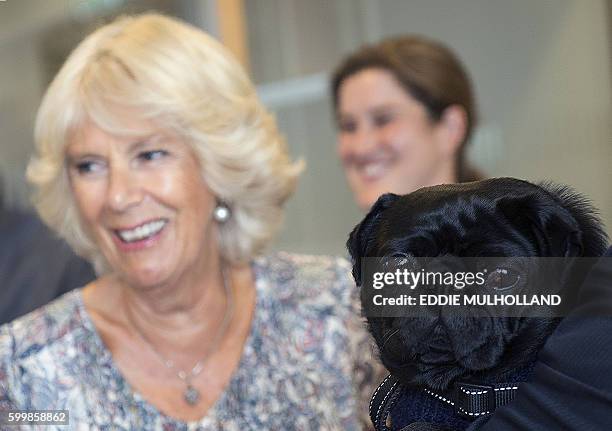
{"x": 124, "y": 189}
{"x": 362, "y": 141}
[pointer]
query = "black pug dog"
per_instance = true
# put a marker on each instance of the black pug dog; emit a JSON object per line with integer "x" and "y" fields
{"x": 430, "y": 359}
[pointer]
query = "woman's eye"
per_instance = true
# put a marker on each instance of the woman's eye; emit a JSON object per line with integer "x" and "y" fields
{"x": 87, "y": 167}
{"x": 347, "y": 126}
{"x": 382, "y": 120}
{"x": 149, "y": 156}
{"x": 503, "y": 279}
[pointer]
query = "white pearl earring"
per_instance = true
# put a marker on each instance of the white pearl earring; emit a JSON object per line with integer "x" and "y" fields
{"x": 221, "y": 213}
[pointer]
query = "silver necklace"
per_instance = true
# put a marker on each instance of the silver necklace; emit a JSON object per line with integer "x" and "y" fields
{"x": 191, "y": 395}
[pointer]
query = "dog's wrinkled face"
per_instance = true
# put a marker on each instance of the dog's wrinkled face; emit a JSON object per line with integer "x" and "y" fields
{"x": 494, "y": 218}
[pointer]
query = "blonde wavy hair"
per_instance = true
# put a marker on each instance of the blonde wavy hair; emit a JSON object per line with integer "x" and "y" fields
{"x": 182, "y": 79}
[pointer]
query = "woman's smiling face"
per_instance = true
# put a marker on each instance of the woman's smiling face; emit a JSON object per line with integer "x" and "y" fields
{"x": 386, "y": 140}
{"x": 143, "y": 201}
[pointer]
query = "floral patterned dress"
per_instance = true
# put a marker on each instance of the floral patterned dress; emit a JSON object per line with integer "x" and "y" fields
{"x": 307, "y": 363}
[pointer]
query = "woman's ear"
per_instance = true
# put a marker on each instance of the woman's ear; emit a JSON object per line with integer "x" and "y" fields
{"x": 453, "y": 127}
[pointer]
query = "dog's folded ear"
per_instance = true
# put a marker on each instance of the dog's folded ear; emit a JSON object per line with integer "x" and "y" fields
{"x": 364, "y": 234}
{"x": 592, "y": 236}
{"x": 563, "y": 222}
{"x": 553, "y": 227}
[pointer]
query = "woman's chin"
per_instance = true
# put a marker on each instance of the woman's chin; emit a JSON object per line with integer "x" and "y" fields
{"x": 144, "y": 277}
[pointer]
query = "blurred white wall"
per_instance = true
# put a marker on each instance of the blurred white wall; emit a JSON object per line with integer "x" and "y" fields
{"x": 21, "y": 85}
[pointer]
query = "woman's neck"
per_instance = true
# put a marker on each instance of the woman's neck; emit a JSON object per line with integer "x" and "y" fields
{"x": 445, "y": 174}
{"x": 171, "y": 316}
{"x": 178, "y": 308}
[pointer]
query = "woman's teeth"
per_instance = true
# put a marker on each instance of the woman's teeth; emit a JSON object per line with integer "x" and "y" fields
{"x": 142, "y": 232}
{"x": 373, "y": 170}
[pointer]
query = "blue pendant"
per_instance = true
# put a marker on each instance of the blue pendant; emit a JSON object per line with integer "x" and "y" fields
{"x": 192, "y": 395}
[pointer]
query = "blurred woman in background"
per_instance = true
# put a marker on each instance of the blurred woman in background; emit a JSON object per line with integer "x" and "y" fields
{"x": 405, "y": 111}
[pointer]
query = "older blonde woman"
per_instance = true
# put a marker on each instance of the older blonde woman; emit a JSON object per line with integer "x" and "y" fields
{"x": 156, "y": 161}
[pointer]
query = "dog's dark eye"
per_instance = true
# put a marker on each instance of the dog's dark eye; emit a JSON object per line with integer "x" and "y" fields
{"x": 503, "y": 279}
{"x": 399, "y": 260}
{"x": 402, "y": 259}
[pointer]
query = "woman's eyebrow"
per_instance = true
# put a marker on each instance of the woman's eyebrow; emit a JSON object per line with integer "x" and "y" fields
{"x": 71, "y": 158}
{"x": 138, "y": 143}
{"x": 75, "y": 152}
{"x": 383, "y": 108}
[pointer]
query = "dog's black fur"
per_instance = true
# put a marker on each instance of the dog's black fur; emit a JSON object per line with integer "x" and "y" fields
{"x": 495, "y": 217}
